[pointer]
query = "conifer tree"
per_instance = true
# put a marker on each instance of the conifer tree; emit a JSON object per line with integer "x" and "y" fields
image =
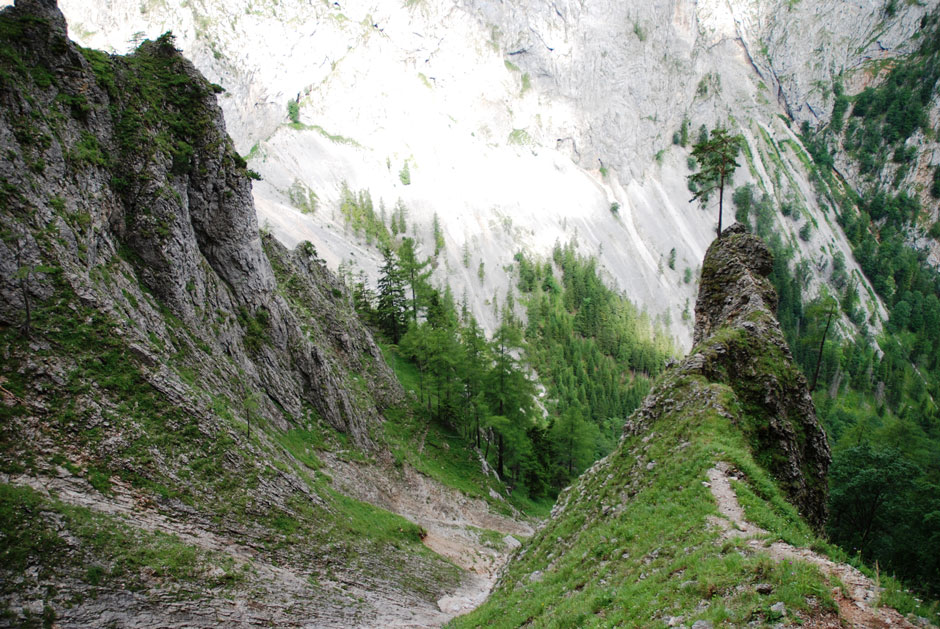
{"x": 716, "y": 162}
{"x": 509, "y": 392}
{"x": 472, "y": 372}
{"x": 390, "y": 311}
{"x": 415, "y": 275}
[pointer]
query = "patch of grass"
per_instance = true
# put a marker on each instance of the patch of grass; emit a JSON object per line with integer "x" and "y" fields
{"x": 520, "y": 137}
{"x": 121, "y": 553}
{"x": 490, "y": 538}
{"x": 88, "y": 151}
{"x": 27, "y": 539}
{"x": 101, "y": 364}
{"x": 633, "y": 544}
{"x": 639, "y": 31}
{"x": 303, "y": 445}
{"x": 361, "y": 519}
{"x": 293, "y": 111}
{"x": 255, "y": 327}
{"x": 332, "y": 137}
{"x": 100, "y": 479}
{"x": 900, "y": 598}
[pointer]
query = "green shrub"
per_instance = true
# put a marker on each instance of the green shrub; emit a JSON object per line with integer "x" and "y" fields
{"x": 405, "y": 174}
{"x": 805, "y": 231}
{"x": 293, "y": 111}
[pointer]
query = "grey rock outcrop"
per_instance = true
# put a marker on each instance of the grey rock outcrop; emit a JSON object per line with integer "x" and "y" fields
{"x": 168, "y": 375}
{"x": 648, "y": 518}
{"x": 739, "y": 343}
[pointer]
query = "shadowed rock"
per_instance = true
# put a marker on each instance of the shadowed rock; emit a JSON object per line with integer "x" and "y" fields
{"x": 125, "y": 160}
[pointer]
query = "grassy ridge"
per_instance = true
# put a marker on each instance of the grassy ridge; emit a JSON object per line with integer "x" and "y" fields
{"x": 633, "y": 546}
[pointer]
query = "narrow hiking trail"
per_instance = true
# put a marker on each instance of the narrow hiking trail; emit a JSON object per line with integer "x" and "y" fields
{"x": 857, "y": 600}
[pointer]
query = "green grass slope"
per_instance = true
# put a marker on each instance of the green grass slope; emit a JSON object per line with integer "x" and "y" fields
{"x": 636, "y": 541}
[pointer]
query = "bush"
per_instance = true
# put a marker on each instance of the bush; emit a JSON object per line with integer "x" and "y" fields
{"x": 293, "y": 111}
{"x": 805, "y": 231}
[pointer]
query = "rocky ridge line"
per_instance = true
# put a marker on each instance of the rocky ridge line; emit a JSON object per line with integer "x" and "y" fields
{"x": 636, "y": 525}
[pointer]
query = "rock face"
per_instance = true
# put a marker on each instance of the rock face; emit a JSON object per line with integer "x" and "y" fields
{"x": 128, "y": 162}
{"x": 739, "y": 343}
{"x": 168, "y": 375}
{"x": 536, "y": 118}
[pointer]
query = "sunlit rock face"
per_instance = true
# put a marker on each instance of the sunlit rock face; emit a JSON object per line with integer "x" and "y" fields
{"x": 522, "y": 124}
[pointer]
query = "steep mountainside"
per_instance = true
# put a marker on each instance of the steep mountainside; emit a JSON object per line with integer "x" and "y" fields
{"x": 181, "y": 397}
{"x": 196, "y": 428}
{"x": 700, "y": 516}
{"x": 516, "y": 125}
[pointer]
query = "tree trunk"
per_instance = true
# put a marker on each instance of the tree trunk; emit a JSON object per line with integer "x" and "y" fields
{"x": 822, "y": 344}
{"x": 499, "y": 455}
{"x": 414, "y": 299}
{"x": 438, "y": 399}
{"x": 721, "y": 199}
{"x": 476, "y": 416}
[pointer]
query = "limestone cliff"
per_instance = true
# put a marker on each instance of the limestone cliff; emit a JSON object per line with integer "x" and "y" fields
{"x": 523, "y": 123}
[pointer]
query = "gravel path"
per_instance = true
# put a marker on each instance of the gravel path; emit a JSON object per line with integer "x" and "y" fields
{"x": 856, "y": 603}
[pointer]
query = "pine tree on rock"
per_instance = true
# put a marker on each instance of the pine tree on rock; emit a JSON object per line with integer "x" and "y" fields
{"x": 716, "y": 161}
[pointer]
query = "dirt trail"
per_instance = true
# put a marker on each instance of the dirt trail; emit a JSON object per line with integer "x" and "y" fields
{"x": 856, "y": 605}
{"x": 452, "y": 520}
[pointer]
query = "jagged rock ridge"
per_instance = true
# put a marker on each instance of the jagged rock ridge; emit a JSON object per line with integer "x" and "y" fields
{"x": 635, "y": 541}
{"x": 128, "y": 159}
{"x": 755, "y": 362}
{"x": 739, "y": 344}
